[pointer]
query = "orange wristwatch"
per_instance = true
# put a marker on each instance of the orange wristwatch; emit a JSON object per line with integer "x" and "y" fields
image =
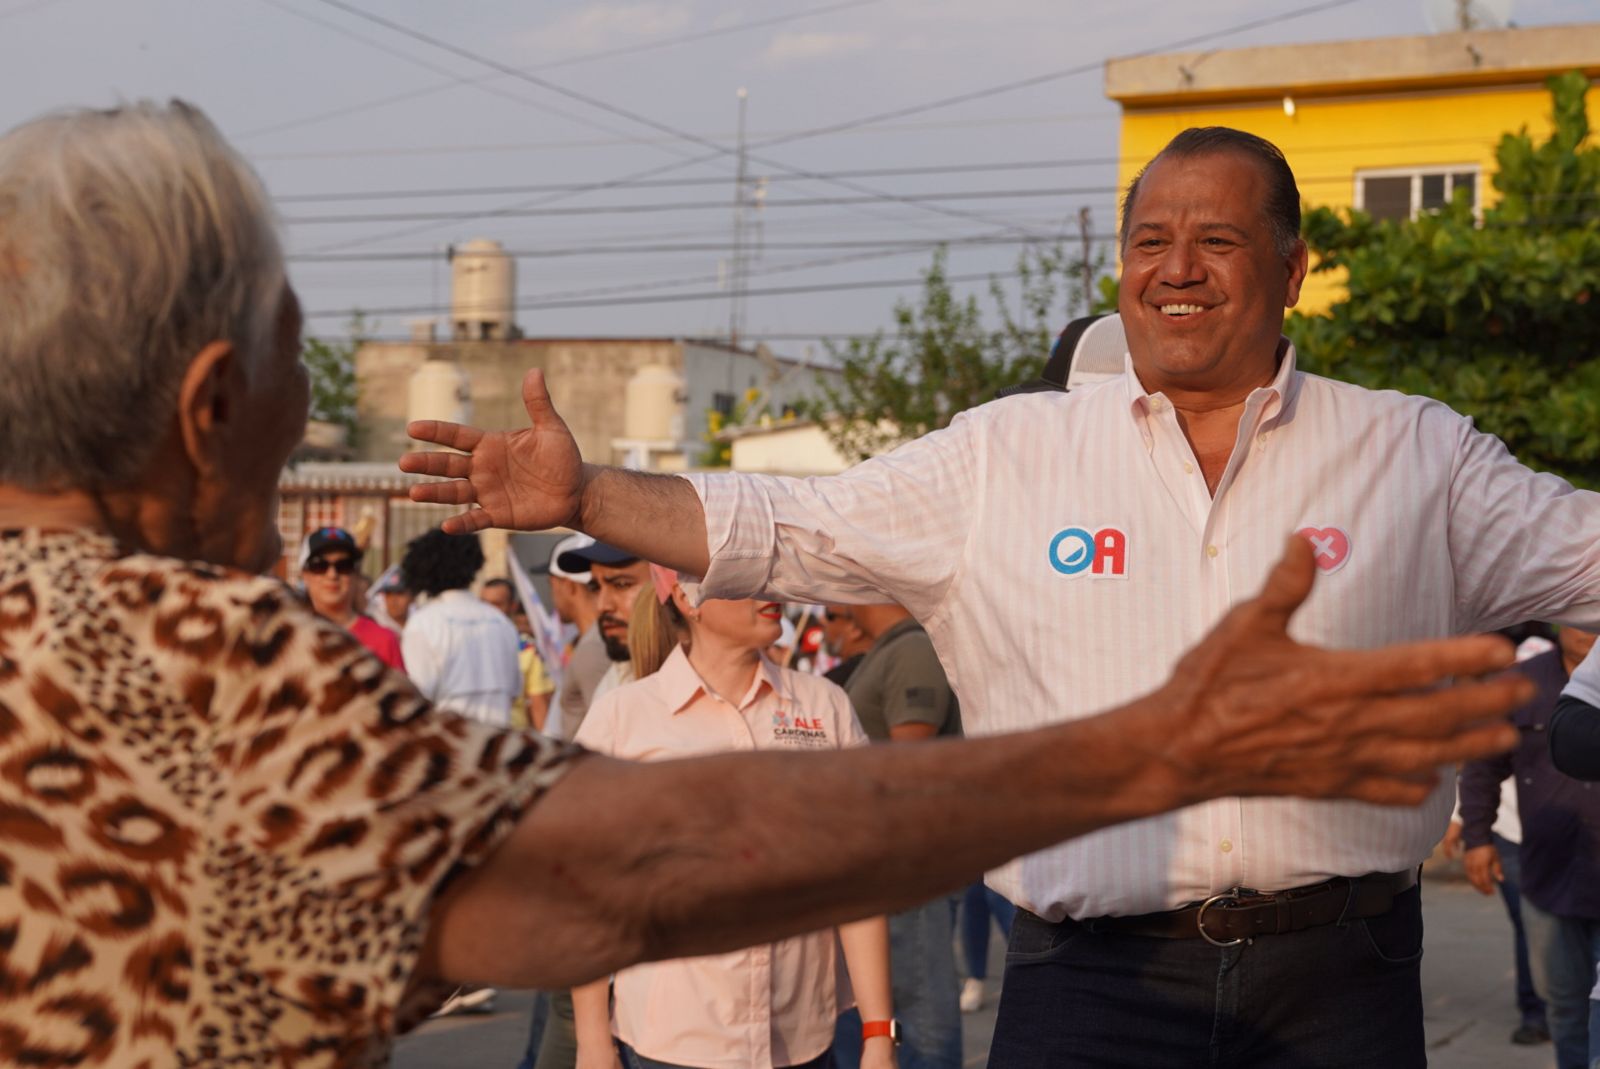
{"x": 874, "y": 1029}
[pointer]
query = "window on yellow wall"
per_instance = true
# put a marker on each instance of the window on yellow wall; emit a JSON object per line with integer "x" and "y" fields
{"x": 1401, "y": 193}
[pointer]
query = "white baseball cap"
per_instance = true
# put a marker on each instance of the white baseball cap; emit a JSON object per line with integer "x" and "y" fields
{"x": 568, "y": 545}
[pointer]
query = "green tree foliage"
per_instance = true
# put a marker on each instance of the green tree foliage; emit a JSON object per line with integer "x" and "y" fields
{"x": 943, "y": 358}
{"x": 1498, "y": 317}
{"x": 332, "y": 366}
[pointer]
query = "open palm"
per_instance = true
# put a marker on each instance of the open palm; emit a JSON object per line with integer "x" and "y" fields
{"x": 524, "y": 480}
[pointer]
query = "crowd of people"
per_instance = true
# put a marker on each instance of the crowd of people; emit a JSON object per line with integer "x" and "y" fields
{"x": 1211, "y": 626}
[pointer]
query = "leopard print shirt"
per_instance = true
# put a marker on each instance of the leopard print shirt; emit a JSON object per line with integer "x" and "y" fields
{"x": 222, "y": 820}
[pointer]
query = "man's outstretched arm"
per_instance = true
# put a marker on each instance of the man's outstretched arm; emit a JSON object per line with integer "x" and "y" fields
{"x": 625, "y": 862}
{"x": 534, "y": 479}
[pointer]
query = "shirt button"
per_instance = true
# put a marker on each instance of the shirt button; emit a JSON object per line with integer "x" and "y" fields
{"x": 1226, "y": 846}
{"x": 1212, "y": 551}
{"x": 1158, "y": 403}
{"x": 1188, "y": 468}
{"x": 1261, "y": 439}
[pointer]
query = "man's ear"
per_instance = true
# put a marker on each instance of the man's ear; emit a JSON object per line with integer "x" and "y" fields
{"x": 205, "y": 404}
{"x": 1299, "y": 263}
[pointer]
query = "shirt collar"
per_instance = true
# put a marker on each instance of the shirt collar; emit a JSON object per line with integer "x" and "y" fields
{"x": 680, "y": 684}
{"x": 1268, "y": 400}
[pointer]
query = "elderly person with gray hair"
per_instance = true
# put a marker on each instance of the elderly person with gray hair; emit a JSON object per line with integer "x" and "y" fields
{"x": 229, "y": 834}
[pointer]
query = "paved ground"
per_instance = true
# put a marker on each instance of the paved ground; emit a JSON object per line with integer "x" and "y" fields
{"x": 1466, "y": 975}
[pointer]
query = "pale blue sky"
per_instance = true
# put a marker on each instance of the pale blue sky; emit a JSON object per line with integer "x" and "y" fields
{"x": 298, "y": 85}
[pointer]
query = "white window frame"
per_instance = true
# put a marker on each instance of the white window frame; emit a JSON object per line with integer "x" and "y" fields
{"x": 1416, "y": 175}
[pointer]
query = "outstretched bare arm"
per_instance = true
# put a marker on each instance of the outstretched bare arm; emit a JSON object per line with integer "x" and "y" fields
{"x": 534, "y": 479}
{"x": 623, "y": 862}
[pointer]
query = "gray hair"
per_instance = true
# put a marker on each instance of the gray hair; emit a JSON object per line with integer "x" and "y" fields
{"x": 1282, "y": 206}
{"x": 129, "y": 240}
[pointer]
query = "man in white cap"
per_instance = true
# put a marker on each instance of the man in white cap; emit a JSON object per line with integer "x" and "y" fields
{"x": 572, "y": 593}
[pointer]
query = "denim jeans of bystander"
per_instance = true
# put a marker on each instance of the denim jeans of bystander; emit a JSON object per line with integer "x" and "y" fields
{"x": 1564, "y": 952}
{"x": 927, "y": 994}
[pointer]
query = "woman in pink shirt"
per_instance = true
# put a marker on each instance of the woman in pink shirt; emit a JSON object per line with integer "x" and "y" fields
{"x": 703, "y": 687}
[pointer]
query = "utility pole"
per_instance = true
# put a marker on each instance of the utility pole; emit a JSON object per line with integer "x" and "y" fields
{"x": 739, "y": 272}
{"x": 1088, "y": 260}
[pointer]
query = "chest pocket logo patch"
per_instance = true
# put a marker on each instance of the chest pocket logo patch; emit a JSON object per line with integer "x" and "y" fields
{"x": 1330, "y": 547}
{"x": 1102, "y": 554}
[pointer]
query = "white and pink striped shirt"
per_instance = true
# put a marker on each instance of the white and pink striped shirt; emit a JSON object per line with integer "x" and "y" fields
{"x": 1063, "y": 551}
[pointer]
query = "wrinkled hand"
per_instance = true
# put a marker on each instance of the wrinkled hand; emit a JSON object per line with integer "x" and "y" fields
{"x": 1261, "y": 714}
{"x": 1483, "y": 868}
{"x": 1450, "y": 845}
{"x": 524, "y": 480}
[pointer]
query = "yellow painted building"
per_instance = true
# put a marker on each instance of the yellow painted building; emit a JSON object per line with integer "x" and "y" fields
{"x": 1391, "y": 125}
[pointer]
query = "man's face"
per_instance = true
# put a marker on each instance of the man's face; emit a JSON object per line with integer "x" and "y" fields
{"x": 1204, "y": 287}
{"x": 498, "y": 596}
{"x": 839, "y": 629}
{"x": 397, "y": 603}
{"x": 619, "y": 586}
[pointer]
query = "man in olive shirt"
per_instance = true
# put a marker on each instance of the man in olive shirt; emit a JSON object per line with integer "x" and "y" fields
{"x": 900, "y": 694}
{"x": 899, "y": 690}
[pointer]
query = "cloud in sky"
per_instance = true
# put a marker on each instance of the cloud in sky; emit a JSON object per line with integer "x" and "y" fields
{"x": 596, "y": 26}
{"x": 801, "y": 47}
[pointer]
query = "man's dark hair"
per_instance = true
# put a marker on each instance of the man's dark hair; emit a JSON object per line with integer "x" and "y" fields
{"x": 436, "y": 562}
{"x": 1283, "y": 196}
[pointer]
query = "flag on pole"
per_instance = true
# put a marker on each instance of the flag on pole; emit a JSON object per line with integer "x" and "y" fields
{"x": 549, "y": 633}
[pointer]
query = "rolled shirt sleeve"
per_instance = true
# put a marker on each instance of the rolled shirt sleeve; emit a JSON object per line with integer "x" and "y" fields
{"x": 1523, "y": 543}
{"x": 892, "y": 528}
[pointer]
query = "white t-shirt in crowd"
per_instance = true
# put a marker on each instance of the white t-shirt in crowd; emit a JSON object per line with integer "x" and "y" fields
{"x": 461, "y": 652}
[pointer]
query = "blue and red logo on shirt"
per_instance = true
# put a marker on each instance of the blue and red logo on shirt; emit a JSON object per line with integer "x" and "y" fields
{"x": 1103, "y": 553}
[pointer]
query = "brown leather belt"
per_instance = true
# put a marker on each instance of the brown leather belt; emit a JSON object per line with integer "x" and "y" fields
{"x": 1242, "y": 914}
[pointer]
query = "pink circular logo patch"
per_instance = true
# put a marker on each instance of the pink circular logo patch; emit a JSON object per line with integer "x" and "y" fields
{"x": 1330, "y": 547}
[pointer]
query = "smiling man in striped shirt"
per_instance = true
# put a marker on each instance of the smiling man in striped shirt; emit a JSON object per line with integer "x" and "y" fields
{"x": 1133, "y": 513}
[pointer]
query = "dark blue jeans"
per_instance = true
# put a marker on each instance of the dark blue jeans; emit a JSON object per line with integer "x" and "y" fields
{"x": 1529, "y": 1004}
{"x": 1564, "y": 952}
{"x": 922, "y": 962}
{"x": 1339, "y": 996}
{"x": 979, "y": 905}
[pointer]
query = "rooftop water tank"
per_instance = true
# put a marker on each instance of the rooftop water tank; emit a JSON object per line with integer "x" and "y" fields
{"x": 439, "y": 389}
{"x": 653, "y": 405}
{"x": 483, "y": 292}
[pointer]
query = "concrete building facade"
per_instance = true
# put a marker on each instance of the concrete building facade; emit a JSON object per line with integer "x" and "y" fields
{"x": 589, "y": 380}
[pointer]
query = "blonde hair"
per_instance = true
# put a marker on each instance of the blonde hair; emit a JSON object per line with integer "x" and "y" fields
{"x": 654, "y": 631}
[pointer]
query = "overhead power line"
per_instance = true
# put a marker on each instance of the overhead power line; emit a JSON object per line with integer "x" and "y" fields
{"x": 722, "y": 150}
{"x": 696, "y": 205}
{"x": 536, "y": 305}
{"x": 569, "y": 61}
{"x": 672, "y": 183}
{"x": 641, "y": 139}
{"x": 561, "y": 252}
{"x": 717, "y": 150}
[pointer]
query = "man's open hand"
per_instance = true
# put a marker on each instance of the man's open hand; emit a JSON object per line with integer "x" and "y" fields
{"x": 1261, "y": 714}
{"x": 525, "y": 480}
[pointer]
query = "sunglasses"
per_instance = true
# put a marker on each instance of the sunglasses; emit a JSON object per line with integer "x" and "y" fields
{"x": 835, "y": 617}
{"x": 320, "y": 565}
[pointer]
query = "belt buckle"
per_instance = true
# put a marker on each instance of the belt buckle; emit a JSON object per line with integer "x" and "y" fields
{"x": 1232, "y": 896}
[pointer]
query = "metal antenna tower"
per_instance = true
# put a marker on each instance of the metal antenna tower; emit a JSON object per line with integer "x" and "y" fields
{"x": 739, "y": 270}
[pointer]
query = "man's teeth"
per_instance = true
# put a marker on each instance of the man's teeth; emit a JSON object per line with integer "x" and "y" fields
{"x": 1181, "y": 309}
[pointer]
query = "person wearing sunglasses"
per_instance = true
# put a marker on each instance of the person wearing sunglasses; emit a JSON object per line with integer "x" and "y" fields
{"x": 332, "y": 561}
